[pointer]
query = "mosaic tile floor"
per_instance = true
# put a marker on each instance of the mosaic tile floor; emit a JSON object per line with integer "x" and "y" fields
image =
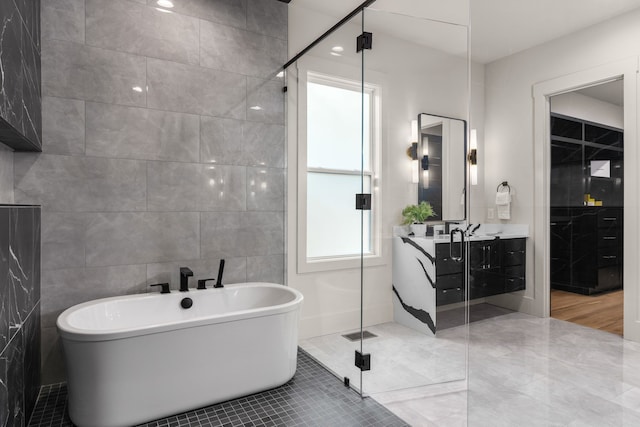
{"x": 314, "y": 397}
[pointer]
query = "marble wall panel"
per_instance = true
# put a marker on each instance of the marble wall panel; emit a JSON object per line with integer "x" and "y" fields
{"x": 196, "y": 90}
{"x": 63, "y": 126}
{"x": 144, "y": 30}
{"x": 229, "y": 12}
{"x": 236, "y": 142}
{"x": 19, "y": 313}
{"x": 80, "y": 184}
{"x": 71, "y": 70}
{"x": 141, "y": 133}
{"x": 232, "y": 49}
{"x": 63, "y": 20}
{"x": 122, "y": 238}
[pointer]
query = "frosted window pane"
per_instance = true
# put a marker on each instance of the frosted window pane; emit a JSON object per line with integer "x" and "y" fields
{"x": 334, "y": 128}
{"x": 333, "y": 223}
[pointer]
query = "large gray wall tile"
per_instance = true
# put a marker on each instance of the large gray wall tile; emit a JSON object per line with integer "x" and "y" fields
{"x": 64, "y": 288}
{"x": 63, "y": 125}
{"x": 53, "y": 369}
{"x": 196, "y": 90}
{"x": 265, "y": 144}
{"x": 196, "y": 187}
{"x": 80, "y": 184}
{"x": 268, "y": 18}
{"x": 140, "y": 133}
{"x": 265, "y": 101}
{"x": 145, "y": 237}
{"x": 244, "y": 234}
{"x": 240, "y": 51}
{"x": 63, "y": 239}
{"x": 267, "y": 268}
{"x": 6, "y": 175}
{"x": 71, "y": 70}
{"x": 144, "y": 30}
{"x": 230, "y": 12}
{"x": 63, "y": 20}
{"x": 235, "y": 142}
{"x": 265, "y": 189}
{"x": 235, "y": 271}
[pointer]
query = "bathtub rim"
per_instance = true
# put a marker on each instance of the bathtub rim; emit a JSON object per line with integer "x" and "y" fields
{"x": 71, "y": 333}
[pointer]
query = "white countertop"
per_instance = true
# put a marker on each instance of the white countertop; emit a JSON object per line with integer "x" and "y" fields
{"x": 484, "y": 232}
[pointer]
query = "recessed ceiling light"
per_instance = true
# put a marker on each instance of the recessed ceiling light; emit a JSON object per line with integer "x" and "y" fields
{"x": 337, "y": 49}
{"x": 280, "y": 74}
{"x": 162, "y": 10}
{"x": 137, "y": 89}
{"x": 165, "y": 3}
{"x": 256, "y": 107}
{"x": 335, "y": 54}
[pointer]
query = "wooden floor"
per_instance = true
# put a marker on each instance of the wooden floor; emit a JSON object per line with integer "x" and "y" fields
{"x": 602, "y": 312}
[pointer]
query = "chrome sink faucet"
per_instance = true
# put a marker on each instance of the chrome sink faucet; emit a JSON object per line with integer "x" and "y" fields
{"x": 185, "y": 273}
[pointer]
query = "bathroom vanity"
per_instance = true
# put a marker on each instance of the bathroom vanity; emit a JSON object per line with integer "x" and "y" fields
{"x": 428, "y": 274}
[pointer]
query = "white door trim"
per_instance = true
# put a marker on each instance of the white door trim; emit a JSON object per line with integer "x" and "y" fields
{"x": 627, "y": 69}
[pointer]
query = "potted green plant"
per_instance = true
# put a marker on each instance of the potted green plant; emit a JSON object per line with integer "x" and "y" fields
{"x": 416, "y": 215}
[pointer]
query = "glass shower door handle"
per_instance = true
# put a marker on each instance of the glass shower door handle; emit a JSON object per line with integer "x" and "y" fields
{"x": 451, "y": 243}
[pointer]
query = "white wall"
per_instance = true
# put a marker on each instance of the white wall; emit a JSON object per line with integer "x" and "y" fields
{"x": 417, "y": 80}
{"x": 586, "y": 108}
{"x": 509, "y": 143}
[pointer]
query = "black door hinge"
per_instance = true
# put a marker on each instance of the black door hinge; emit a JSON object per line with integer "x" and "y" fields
{"x": 364, "y": 41}
{"x": 363, "y": 361}
{"x": 363, "y": 202}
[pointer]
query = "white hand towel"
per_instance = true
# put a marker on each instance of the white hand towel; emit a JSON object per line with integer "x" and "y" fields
{"x": 503, "y": 202}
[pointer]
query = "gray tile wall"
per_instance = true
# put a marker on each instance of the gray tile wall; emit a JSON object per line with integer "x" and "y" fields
{"x": 152, "y": 157}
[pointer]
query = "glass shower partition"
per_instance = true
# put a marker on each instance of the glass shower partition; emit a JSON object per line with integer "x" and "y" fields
{"x": 328, "y": 110}
{"x": 416, "y": 68}
{"x": 357, "y": 100}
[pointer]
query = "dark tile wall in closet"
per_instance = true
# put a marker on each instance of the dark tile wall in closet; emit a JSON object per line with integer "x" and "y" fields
{"x": 19, "y": 313}
{"x": 20, "y": 94}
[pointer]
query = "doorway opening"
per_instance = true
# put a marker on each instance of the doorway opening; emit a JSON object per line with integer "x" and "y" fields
{"x": 586, "y": 206}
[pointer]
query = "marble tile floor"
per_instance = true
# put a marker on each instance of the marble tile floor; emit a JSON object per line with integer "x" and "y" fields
{"x": 525, "y": 371}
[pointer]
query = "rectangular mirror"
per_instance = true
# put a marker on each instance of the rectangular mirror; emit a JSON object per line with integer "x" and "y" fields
{"x": 442, "y": 147}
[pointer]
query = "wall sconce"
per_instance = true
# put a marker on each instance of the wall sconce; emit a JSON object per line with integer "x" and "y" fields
{"x": 412, "y": 152}
{"x": 473, "y": 157}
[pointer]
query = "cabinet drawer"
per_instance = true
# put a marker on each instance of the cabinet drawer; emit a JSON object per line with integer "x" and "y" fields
{"x": 484, "y": 284}
{"x": 512, "y": 284}
{"x": 513, "y": 258}
{"x": 609, "y": 237}
{"x": 444, "y": 263}
{"x": 609, "y": 218}
{"x": 450, "y": 281}
{"x": 609, "y": 256}
{"x": 449, "y": 296}
{"x": 514, "y": 244}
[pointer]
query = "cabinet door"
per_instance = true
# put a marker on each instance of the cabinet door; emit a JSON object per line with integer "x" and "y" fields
{"x": 484, "y": 255}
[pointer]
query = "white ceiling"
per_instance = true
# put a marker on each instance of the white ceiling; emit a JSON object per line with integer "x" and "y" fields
{"x": 612, "y": 92}
{"x": 499, "y": 28}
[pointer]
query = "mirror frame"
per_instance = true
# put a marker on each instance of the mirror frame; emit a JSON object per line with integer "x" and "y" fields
{"x": 421, "y": 183}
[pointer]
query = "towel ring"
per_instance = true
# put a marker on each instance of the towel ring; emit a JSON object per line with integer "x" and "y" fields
{"x": 503, "y": 184}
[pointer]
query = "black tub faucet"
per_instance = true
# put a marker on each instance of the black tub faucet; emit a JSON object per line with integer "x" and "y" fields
{"x": 185, "y": 273}
{"x": 220, "y": 273}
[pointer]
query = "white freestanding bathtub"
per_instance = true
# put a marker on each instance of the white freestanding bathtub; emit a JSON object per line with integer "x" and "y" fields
{"x": 137, "y": 358}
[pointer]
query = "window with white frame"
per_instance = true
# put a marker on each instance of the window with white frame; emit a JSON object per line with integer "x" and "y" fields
{"x": 341, "y": 149}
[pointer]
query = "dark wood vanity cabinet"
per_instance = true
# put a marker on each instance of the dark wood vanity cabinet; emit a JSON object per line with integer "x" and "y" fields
{"x": 449, "y": 277}
{"x": 586, "y": 249}
{"x": 496, "y": 267}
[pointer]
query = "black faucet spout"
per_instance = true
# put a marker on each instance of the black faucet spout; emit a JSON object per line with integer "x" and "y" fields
{"x": 220, "y": 273}
{"x": 185, "y": 273}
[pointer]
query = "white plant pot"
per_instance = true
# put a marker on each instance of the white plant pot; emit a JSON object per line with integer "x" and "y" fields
{"x": 419, "y": 230}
